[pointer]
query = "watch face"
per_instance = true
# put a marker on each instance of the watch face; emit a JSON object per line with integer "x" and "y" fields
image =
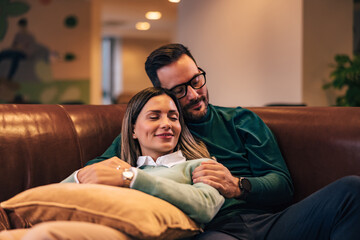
{"x": 246, "y": 184}
{"x": 128, "y": 174}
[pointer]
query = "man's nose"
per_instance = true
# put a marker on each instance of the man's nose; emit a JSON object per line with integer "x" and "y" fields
{"x": 191, "y": 93}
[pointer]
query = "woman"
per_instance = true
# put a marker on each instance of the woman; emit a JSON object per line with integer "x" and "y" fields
{"x": 156, "y": 144}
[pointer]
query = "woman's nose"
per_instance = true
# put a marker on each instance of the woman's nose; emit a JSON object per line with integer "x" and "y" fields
{"x": 165, "y": 123}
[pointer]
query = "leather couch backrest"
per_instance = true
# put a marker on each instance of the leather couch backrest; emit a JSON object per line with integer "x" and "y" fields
{"x": 319, "y": 144}
{"x": 42, "y": 144}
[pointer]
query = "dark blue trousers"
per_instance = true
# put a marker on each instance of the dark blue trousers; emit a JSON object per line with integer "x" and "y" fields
{"x": 330, "y": 213}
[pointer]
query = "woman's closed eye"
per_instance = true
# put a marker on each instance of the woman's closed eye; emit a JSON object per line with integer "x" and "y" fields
{"x": 154, "y": 116}
{"x": 173, "y": 116}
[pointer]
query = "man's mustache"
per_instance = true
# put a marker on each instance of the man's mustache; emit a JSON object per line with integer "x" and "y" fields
{"x": 194, "y": 102}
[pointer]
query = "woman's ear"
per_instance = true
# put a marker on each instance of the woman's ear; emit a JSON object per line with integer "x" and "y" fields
{"x": 133, "y": 133}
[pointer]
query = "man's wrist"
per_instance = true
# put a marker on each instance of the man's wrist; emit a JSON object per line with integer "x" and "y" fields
{"x": 245, "y": 188}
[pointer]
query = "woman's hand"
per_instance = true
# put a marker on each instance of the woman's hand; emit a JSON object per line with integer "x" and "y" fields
{"x": 218, "y": 176}
{"x": 104, "y": 172}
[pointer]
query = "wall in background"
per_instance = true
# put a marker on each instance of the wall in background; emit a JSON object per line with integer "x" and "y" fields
{"x": 62, "y": 73}
{"x": 135, "y": 52}
{"x": 133, "y": 46}
{"x": 254, "y": 51}
{"x": 328, "y": 30}
{"x": 251, "y": 50}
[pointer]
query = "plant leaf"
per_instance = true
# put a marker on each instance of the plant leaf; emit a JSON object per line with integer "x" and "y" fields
{"x": 346, "y": 73}
{"x": 342, "y": 59}
{"x": 353, "y": 96}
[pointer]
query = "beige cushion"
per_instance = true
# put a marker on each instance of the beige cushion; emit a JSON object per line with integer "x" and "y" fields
{"x": 132, "y": 212}
{"x": 13, "y": 234}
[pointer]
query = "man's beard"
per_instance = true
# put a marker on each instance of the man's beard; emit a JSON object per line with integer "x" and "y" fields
{"x": 196, "y": 115}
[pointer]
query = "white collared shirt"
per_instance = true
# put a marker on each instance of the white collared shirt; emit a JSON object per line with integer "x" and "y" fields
{"x": 167, "y": 160}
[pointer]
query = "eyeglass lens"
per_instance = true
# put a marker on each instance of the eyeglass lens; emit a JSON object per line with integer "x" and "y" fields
{"x": 196, "y": 83}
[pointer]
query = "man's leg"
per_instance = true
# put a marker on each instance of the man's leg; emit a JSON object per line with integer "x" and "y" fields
{"x": 63, "y": 230}
{"x": 214, "y": 235}
{"x": 15, "y": 57}
{"x": 331, "y": 213}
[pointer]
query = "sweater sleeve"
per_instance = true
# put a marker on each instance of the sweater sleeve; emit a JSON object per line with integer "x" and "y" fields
{"x": 112, "y": 151}
{"x": 199, "y": 201}
{"x": 270, "y": 180}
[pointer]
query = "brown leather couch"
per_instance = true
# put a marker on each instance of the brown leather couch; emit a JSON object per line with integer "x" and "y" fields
{"x": 42, "y": 144}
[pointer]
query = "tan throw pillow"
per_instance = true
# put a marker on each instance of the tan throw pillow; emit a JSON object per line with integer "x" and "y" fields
{"x": 132, "y": 212}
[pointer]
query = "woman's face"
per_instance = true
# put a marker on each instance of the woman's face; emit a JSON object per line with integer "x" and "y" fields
{"x": 157, "y": 127}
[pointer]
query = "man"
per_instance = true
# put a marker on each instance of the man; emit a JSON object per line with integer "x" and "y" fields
{"x": 250, "y": 171}
{"x": 23, "y": 47}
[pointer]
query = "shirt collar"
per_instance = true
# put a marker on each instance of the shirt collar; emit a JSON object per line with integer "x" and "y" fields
{"x": 167, "y": 160}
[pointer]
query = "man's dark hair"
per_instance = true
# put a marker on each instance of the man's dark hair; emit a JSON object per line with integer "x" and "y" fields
{"x": 163, "y": 56}
{"x": 22, "y": 22}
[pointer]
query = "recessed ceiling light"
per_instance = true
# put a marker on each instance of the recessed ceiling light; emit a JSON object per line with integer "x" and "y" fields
{"x": 153, "y": 15}
{"x": 142, "y": 26}
{"x": 174, "y": 1}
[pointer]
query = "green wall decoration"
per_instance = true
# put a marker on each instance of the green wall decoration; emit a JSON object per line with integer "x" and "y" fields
{"x": 55, "y": 92}
{"x": 10, "y": 8}
{"x": 71, "y": 21}
{"x": 69, "y": 57}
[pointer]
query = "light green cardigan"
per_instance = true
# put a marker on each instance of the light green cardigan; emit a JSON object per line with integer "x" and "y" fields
{"x": 199, "y": 201}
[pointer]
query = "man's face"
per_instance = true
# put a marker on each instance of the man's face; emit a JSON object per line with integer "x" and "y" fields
{"x": 194, "y": 104}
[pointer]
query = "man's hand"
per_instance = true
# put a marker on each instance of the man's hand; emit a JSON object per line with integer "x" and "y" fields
{"x": 104, "y": 172}
{"x": 218, "y": 176}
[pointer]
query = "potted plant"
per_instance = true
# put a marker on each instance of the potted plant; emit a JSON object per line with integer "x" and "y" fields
{"x": 346, "y": 73}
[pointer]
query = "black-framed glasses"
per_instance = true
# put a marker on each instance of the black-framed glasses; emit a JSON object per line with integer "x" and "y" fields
{"x": 196, "y": 82}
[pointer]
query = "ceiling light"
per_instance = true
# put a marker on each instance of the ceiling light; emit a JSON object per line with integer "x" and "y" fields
{"x": 153, "y": 15}
{"x": 174, "y": 1}
{"x": 142, "y": 26}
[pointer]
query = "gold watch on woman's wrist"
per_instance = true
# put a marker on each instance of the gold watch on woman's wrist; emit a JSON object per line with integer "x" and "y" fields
{"x": 127, "y": 176}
